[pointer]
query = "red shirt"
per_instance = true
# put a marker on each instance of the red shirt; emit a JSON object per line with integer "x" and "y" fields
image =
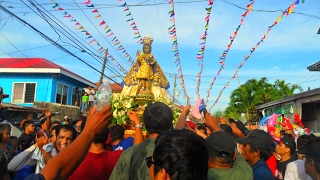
{"x": 96, "y": 166}
{"x": 272, "y": 164}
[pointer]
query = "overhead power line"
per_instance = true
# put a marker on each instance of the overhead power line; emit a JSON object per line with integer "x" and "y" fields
{"x": 56, "y": 26}
{"x": 106, "y": 6}
{"x": 52, "y": 41}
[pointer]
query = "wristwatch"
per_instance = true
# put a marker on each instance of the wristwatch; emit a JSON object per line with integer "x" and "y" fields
{"x": 138, "y": 126}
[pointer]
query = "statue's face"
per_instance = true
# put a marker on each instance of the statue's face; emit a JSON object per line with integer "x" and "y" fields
{"x": 146, "y": 49}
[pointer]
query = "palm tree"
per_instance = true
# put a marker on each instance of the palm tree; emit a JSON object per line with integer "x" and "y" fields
{"x": 286, "y": 89}
{"x": 255, "y": 92}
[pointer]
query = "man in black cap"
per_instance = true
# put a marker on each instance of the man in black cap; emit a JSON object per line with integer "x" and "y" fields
{"x": 312, "y": 161}
{"x": 256, "y": 150}
{"x": 286, "y": 149}
{"x": 223, "y": 163}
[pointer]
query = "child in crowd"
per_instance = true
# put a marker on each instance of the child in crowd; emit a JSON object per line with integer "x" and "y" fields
{"x": 85, "y": 99}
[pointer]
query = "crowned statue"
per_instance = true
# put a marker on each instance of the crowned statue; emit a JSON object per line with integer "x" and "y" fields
{"x": 145, "y": 76}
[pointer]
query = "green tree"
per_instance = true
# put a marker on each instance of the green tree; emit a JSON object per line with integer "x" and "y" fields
{"x": 218, "y": 113}
{"x": 255, "y": 92}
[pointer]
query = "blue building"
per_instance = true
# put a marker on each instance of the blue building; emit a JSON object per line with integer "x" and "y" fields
{"x": 36, "y": 79}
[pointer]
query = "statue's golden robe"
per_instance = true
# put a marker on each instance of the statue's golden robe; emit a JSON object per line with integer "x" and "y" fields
{"x": 145, "y": 68}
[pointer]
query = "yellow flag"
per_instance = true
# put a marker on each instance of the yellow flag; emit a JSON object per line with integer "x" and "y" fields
{"x": 81, "y": 27}
{"x": 97, "y": 16}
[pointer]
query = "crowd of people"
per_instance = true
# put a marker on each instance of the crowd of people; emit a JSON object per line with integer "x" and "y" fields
{"x": 91, "y": 148}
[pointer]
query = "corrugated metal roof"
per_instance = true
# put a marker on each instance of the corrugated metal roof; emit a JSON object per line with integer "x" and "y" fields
{"x": 38, "y": 63}
{"x": 314, "y": 67}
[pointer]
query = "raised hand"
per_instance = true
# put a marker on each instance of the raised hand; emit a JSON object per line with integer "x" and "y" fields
{"x": 97, "y": 122}
{"x": 186, "y": 110}
{"x": 47, "y": 112}
{"x": 42, "y": 141}
{"x": 134, "y": 117}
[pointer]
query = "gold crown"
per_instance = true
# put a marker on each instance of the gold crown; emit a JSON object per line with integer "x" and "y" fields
{"x": 147, "y": 40}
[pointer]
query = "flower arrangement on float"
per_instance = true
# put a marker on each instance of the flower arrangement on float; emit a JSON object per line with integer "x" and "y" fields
{"x": 121, "y": 105}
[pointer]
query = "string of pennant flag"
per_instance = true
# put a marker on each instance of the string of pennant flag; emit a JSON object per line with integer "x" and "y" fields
{"x": 133, "y": 24}
{"x": 203, "y": 40}
{"x": 79, "y": 27}
{"x": 110, "y": 34}
{"x": 225, "y": 52}
{"x": 175, "y": 47}
{"x": 171, "y": 97}
{"x": 287, "y": 12}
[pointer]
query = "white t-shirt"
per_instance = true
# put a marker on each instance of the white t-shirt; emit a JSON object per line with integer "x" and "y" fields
{"x": 92, "y": 94}
{"x": 295, "y": 171}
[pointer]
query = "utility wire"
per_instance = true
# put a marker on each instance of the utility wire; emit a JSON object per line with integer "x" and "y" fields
{"x": 52, "y": 41}
{"x": 102, "y": 35}
{"x": 13, "y": 45}
{"x": 27, "y": 49}
{"x": 108, "y": 65}
{"x": 63, "y": 31}
{"x": 181, "y": 2}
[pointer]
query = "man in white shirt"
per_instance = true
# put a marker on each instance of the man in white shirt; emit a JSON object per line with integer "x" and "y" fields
{"x": 92, "y": 94}
{"x": 295, "y": 170}
{"x": 42, "y": 151}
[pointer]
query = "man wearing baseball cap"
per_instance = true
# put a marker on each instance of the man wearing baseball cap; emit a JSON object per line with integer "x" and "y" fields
{"x": 256, "y": 150}
{"x": 223, "y": 163}
{"x": 312, "y": 161}
{"x": 286, "y": 149}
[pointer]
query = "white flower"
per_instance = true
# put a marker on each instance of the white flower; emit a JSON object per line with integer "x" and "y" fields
{"x": 116, "y": 105}
{"x": 127, "y": 105}
{"x": 115, "y": 113}
{"x": 122, "y": 113}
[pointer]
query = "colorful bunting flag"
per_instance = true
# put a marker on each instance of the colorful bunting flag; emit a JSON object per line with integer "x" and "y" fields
{"x": 94, "y": 41}
{"x": 203, "y": 39}
{"x": 87, "y": 2}
{"x": 225, "y": 52}
{"x": 292, "y": 6}
{"x": 175, "y": 48}
{"x": 102, "y": 23}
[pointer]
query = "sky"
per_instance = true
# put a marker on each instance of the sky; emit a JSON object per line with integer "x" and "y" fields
{"x": 289, "y": 48}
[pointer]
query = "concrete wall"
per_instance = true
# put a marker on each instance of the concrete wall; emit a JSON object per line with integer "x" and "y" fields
{"x": 311, "y": 116}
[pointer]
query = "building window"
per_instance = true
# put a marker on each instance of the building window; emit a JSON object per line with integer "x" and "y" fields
{"x": 62, "y": 94}
{"x": 23, "y": 93}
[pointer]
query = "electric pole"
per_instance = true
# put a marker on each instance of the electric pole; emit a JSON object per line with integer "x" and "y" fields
{"x": 103, "y": 65}
{"x": 174, "y": 87}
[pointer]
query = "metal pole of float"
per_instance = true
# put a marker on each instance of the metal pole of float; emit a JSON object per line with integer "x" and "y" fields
{"x": 103, "y": 65}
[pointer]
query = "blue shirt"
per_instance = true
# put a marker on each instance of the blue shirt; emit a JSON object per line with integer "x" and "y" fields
{"x": 124, "y": 144}
{"x": 261, "y": 171}
{"x": 35, "y": 177}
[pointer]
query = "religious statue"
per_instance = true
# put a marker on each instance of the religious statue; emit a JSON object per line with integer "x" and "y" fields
{"x": 145, "y": 74}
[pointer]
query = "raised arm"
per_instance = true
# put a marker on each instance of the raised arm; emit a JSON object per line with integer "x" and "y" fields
{"x": 212, "y": 122}
{"x": 48, "y": 121}
{"x": 62, "y": 165}
{"x": 182, "y": 123}
{"x": 138, "y": 136}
